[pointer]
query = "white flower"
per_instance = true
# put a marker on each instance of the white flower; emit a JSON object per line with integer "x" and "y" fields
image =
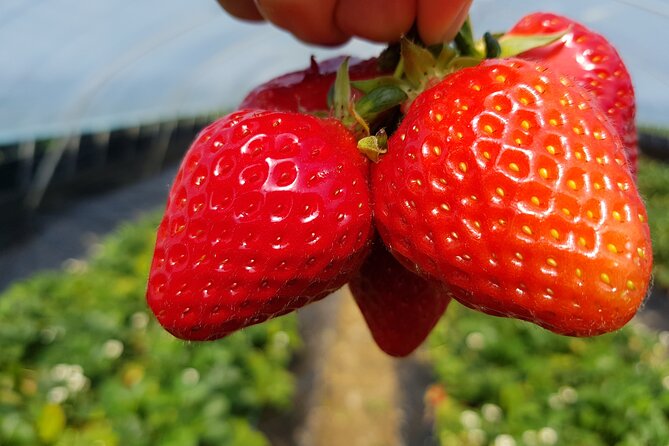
{"x": 281, "y": 339}
{"x": 504, "y": 440}
{"x": 470, "y": 419}
{"x": 112, "y": 349}
{"x": 530, "y": 437}
{"x": 58, "y": 394}
{"x": 190, "y": 376}
{"x": 475, "y": 340}
{"x": 60, "y": 372}
{"x": 139, "y": 320}
{"x": 476, "y": 437}
{"x": 548, "y": 435}
{"x": 555, "y": 402}
{"x": 76, "y": 382}
{"x": 491, "y": 412}
{"x": 568, "y": 394}
{"x": 664, "y": 338}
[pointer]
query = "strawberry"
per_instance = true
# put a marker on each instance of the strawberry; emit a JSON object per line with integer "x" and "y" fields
{"x": 307, "y": 90}
{"x": 269, "y": 211}
{"x": 593, "y": 63}
{"x": 506, "y": 185}
{"x": 400, "y": 307}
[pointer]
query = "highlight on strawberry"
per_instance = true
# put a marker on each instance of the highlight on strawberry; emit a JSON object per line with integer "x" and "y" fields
{"x": 498, "y": 172}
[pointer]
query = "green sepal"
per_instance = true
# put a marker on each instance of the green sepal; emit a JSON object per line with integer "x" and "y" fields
{"x": 379, "y": 100}
{"x": 368, "y": 85}
{"x": 512, "y": 44}
{"x": 418, "y": 62}
{"x": 341, "y": 100}
{"x": 445, "y": 57}
{"x": 374, "y": 146}
{"x": 463, "y": 62}
{"x": 343, "y": 106}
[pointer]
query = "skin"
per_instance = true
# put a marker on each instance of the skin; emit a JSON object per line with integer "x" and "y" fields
{"x": 333, "y": 22}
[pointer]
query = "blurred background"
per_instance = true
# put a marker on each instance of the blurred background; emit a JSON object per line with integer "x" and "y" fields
{"x": 99, "y": 101}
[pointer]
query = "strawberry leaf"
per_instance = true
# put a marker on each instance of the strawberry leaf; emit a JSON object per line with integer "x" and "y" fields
{"x": 367, "y": 85}
{"x": 512, "y": 45}
{"x": 379, "y": 100}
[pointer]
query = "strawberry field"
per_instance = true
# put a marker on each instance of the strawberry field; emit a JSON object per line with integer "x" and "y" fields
{"x": 84, "y": 362}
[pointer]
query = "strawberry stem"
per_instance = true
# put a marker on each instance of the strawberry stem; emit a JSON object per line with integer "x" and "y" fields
{"x": 492, "y": 48}
{"x": 464, "y": 41}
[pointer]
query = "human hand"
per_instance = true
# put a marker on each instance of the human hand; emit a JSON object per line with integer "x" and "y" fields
{"x": 333, "y": 22}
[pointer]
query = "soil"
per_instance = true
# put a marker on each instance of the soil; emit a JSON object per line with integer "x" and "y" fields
{"x": 357, "y": 396}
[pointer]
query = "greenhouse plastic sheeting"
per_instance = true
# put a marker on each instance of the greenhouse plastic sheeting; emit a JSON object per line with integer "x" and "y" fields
{"x": 71, "y": 66}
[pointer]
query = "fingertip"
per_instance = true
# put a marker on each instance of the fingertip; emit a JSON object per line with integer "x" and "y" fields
{"x": 375, "y": 20}
{"x": 310, "y": 21}
{"x": 242, "y": 9}
{"x": 440, "y": 21}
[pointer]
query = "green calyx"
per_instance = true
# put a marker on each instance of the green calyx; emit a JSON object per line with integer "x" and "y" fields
{"x": 500, "y": 45}
{"x": 419, "y": 67}
{"x": 379, "y": 96}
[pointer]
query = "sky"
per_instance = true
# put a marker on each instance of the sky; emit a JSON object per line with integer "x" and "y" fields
{"x": 70, "y": 66}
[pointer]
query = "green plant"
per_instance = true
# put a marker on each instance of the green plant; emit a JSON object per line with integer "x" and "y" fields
{"x": 654, "y": 187}
{"x": 502, "y": 381}
{"x": 83, "y": 361}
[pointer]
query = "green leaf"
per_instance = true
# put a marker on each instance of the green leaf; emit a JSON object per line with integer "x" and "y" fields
{"x": 512, "y": 44}
{"x": 367, "y": 85}
{"x": 379, "y": 100}
{"x": 243, "y": 435}
{"x": 50, "y": 422}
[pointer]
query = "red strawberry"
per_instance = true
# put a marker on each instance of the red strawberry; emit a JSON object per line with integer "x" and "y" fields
{"x": 400, "y": 308}
{"x": 594, "y": 64}
{"x": 509, "y": 188}
{"x": 307, "y": 90}
{"x": 269, "y": 212}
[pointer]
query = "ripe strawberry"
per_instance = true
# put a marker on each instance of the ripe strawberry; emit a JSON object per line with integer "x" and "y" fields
{"x": 594, "y": 64}
{"x": 269, "y": 212}
{"x": 503, "y": 183}
{"x": 307, "y": 90}
{"x": 400, "y": 307}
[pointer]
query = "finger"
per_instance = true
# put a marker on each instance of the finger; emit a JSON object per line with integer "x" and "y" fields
{"x": 242, "y": 9}
{"x": 309, "y": 20}
{"x": 440, "y": 20}
{"x": 377, "y": 20}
